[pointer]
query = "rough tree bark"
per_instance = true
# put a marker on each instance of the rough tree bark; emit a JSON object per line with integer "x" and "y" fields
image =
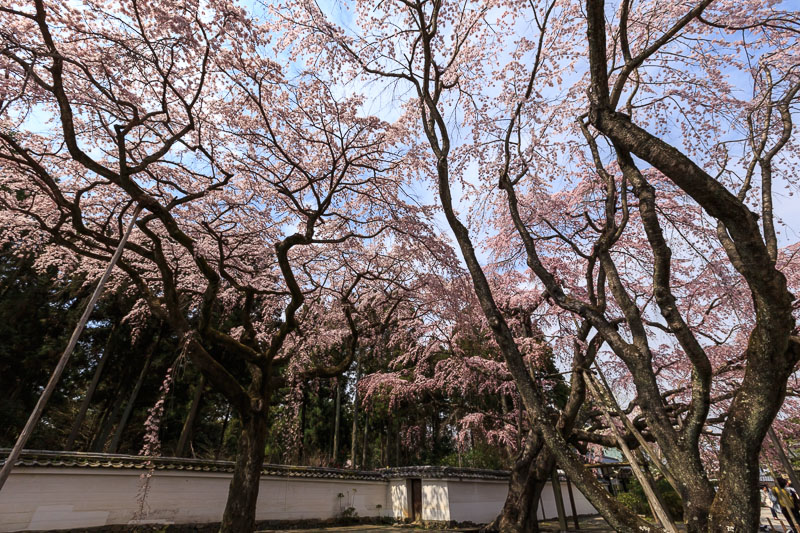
{"x": 524, "y": 489}
{"x": 771, "y": 353}
{"x": 239, "y": 515}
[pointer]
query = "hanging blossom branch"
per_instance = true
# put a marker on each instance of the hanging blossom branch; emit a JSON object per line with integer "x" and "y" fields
{"x": 152, "y": 437}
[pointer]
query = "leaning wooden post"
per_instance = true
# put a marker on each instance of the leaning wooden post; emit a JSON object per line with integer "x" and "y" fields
{"x": 62, "y": 363}
{"x": 572, "y": 505}
{"x": 664, "y": 469}
{"x": 557, "y": 496}
{"x": 787, "y": 466}
{"x": 649, "y": 490}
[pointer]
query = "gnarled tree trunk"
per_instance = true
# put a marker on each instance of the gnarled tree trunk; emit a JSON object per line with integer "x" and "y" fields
{"x": 240, "y": 510}
{"x": 524, "y": 490}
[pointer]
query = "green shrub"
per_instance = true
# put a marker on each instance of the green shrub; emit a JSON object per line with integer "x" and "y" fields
{"x": 636, "y": 501}
{"x": 632, "y": 502}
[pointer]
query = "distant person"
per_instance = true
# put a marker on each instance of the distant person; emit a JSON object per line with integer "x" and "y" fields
{"x": 793, "y": 494}
{"x": 770, "y": 500}
{"x": 789, "y": 509}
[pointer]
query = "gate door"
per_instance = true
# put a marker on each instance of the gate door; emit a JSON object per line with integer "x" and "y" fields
{"x": 416, "y": 500}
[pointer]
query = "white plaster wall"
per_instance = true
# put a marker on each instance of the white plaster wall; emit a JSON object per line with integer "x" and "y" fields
{"x": 480, "y": 501}
{"x": 435, "y": 500}
{"x": 476, "y": 501}
{"x": 582, "y": 505}
{"x": 63, "y": 498}
{"x": 398, "y": 496}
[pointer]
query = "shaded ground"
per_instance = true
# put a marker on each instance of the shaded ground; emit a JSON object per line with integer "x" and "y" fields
{"x": 591, "y": 523}
{"x": 777, "y": 525}
{"x": 368, "y": 528}
{"x": 594, "y": 524}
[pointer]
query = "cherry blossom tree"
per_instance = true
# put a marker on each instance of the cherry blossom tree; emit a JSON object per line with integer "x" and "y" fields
{"x": 439, "y": 50}
{"x": 257, "y": 187}
{"x": 769, "y": 350}
{"x": 687, "y": 277}
{"x": 670, "y": 68}
{"x": 618, "y": 162}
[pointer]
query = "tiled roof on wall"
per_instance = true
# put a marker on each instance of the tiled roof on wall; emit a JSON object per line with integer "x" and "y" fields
{"x": 445, "y": 472}
{"x": 104, "y": 460}
{"x": 41, "y": 458}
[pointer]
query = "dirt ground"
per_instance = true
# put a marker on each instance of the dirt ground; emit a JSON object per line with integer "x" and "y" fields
{"x": 593, "y": 524}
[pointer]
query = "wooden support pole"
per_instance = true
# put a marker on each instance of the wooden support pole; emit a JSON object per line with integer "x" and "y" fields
{"x": 652, "y": 497}
{"x": 131, "y": 402}
{"x": 562, "y": 519}
{"x": 62, "y": 363}
{"x": 572, "y": 504}
{"x": 656, "y": 459}
{"x": 787, "y": 466}
{"x": 335, "y": 456}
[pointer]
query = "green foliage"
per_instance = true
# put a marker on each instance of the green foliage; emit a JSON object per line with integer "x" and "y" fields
{"x": 34, "y": 307}
{"x": 636, "y": 500}
{"x": 634, "y": 503}
{"x": 347, "y": 511}
{"x": 479, "y": 455}
{"x": 39, "y": 308}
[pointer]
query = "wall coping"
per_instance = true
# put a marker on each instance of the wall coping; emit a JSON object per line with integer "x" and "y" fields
{"x": 62, "y": 459}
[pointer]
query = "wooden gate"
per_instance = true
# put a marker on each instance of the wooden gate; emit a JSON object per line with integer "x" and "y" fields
{"x": 416, "y": 500}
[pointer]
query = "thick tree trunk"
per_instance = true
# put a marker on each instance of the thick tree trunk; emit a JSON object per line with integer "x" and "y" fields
{"x": 188, "y": 424}
{"x": 240, "y": 510}
{"x": 519, "y": 511}
{"x": 87, "y": 399}
{"x": 737, "y": 503}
